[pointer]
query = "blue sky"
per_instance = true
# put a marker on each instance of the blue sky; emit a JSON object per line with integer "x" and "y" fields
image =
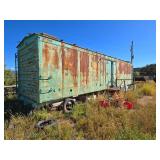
{"x": 112, "y": 38}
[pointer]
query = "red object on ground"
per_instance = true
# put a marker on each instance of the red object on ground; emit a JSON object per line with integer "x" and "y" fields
{"x": 128, "y": 105}
{"x": 104, "y": 103}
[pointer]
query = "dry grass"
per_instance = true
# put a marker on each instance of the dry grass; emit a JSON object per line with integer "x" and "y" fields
{"x": 148, "y": 89}
{"x": 90, "y": 121}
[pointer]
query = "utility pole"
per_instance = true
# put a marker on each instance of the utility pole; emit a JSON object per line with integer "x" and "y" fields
{"x": 132, "y": 54}
{"x": 16, "y": 56}
{"x": 132, "y": 57}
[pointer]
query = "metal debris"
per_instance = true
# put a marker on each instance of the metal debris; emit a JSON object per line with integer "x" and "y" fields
{"x": 43, "y": 123}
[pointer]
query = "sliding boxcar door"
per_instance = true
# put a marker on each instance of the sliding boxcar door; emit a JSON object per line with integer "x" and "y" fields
{"x": 108, "y": 73}
{"x": 111, "y": 73}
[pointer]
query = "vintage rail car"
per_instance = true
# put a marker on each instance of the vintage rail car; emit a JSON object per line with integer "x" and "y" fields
{"x": 51, "y": 70}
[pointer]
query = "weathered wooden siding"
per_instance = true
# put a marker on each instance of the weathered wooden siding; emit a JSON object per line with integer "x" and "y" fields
{"x": 28, "y": 70}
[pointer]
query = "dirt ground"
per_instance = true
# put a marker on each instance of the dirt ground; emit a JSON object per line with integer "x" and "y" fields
{"x": 145, "y": 100}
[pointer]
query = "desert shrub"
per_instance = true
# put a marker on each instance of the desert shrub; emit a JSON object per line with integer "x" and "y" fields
{"x": 78, "y": 111}
{"x": 44, "y": 114}
{"x": 20, "y": 127}
{"x": 145, "y": 119}
{"x": 98, "y": 122}
{"x": 132, "y": 96}
{"x": 10, "y": 97}
{"x": 148, "y": 89}
{"x": 9, "y": 77}
{"x": 41, "y": 115}
{"x": 65, "y": 131}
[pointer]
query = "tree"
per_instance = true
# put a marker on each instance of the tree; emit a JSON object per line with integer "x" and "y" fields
{"x": 9, "y": 77}
{"x": 136, "y": 73}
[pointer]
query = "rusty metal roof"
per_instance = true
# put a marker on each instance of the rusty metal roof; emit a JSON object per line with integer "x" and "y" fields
{"x": 54, "y": 38}
{"x": 47, "y": 36}
{"x": 40, "y": 34}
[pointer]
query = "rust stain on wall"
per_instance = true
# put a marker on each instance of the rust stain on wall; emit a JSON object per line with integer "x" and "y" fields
{"x": 94, "y": 64}
{"x": 62, "y": 57}
{"x": 117, "y": 70}
{"x": 104, "y": 66}
{"x": 73, "y": 64}
{"x": 84, "y": 67}
{"x": 97, "y": 61}
{"x": 120, "y": 68}
{"x": 55, "y": 58}
{"x": 129, "y": 69}
{"x": 124, "y": 68}
{"x": 50, "y": 57}
{"x": 45, "y": 56}
{"x": 70, "y": 62}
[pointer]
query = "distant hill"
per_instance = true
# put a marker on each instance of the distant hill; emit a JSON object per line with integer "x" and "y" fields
{"x": 148, "y": 70}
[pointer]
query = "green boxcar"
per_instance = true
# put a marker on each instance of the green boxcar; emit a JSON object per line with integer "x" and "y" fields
{"x": 51, "y": 70}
